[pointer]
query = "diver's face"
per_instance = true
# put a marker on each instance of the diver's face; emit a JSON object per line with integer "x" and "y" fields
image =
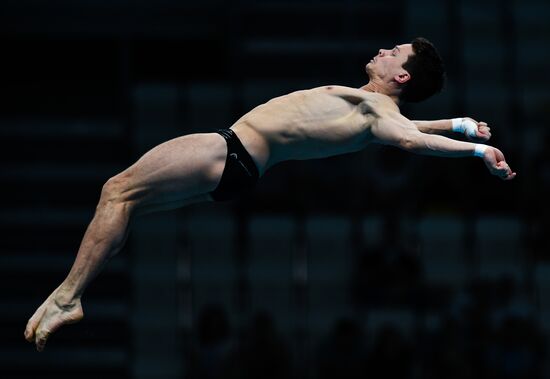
{"x": 389, "y": 62}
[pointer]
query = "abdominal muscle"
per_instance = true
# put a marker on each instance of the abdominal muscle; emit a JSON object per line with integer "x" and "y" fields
{"x": 307, "y": 124}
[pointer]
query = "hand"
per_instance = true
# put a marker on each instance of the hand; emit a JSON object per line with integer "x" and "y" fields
{"x": 483, "y": 132}
{"x": 50, "y": 316}
{"x": 494, "y": 160}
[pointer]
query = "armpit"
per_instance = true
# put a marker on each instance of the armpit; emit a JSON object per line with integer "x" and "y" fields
{"x": 364, "y": 105}
{"x": 368, "y": 106}
{"x": 353, "y": 99}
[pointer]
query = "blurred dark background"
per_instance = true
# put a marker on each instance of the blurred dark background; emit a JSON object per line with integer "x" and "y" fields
{"x": 378, "y": 264}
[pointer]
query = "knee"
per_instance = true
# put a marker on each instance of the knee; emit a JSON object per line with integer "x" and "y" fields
{"x": 113, "y": 191}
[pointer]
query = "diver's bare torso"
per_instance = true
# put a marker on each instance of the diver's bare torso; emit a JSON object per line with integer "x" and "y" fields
{"x": 309, "y": 124}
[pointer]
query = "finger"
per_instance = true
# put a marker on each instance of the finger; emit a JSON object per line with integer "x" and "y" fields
{"x": 510, "y": 176}
{"x": 482, "y": 136}
{"x": 502, "y": 165}
{"x": 501, "y": 169}
{"x": 506, "y": 172}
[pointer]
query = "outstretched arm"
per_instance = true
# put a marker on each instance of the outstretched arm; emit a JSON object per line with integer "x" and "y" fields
{"x": 434, "y": 127}
{"x": 392, "y": 128}
{"x": 470, "y": 128}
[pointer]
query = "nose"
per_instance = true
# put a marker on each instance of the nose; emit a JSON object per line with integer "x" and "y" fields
{"x": 380, "y": 52}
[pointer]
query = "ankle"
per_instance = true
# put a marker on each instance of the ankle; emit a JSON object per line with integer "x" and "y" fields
{"x": 64, "y": 298}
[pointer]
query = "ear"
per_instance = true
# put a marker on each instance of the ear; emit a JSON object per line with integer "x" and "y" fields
{"x": 402, "y": 77}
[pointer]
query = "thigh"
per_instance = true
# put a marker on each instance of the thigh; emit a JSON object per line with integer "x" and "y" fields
{"x": 175, "y": 172}
{"x": 164, "y": 206}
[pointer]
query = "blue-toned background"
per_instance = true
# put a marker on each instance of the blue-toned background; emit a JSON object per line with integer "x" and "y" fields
{"x": 378, "y": 264}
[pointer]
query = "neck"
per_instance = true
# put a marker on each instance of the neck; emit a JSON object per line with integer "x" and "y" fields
{"x": 372, "y": 86}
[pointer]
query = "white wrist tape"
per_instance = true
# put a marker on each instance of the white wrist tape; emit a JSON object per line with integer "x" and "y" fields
{"x": 461, "y": 125}
{"x": 479, "y": 150}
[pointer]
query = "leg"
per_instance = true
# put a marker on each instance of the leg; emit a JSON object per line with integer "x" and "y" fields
{"x": 176, "y": 173}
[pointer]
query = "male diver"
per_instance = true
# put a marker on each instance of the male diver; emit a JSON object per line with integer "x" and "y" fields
{"x": 306, "y": 124}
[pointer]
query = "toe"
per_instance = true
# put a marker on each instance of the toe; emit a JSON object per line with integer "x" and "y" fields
{"x": 29, "y": 331}
{"x": 28, "y": 335}
{"x": 41, "y": 339}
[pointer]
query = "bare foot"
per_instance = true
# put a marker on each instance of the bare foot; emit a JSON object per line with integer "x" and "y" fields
{"x": 50, "y": 316}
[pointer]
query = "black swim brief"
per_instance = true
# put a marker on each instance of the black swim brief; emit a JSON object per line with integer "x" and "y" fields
{"x": 240, "y": 173}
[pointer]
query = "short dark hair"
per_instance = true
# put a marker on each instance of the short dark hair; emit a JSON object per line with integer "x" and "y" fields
{"x": 426, "y": 69}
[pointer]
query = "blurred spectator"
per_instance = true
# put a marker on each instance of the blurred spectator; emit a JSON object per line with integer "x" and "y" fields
{"x": 261, "y": 353}
{"x": 507, "y": 302}
{"x": 538, "y": 204}
{"x": 517, "y": 345}
{"x": 369, "y": 277}
{"x": 445, "y": 352}
{"x": 405, "y": 277}
{"x": 343, "y": 354}
{"x": 386, "y": 276}
{"x": 516, "y": 351}
{"x": 391, "y": 355}
{"x": 489, "y": 333}
{"x": 475, "y": 324}
{"x": 208, "y": 357}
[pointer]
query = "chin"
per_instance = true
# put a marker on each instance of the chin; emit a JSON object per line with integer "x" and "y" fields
{"x": 368, "y": 68}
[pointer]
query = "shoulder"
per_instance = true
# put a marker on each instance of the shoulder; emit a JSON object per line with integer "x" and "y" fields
{"x": 356, "y": 95}
{"x": 381, "y": 102}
